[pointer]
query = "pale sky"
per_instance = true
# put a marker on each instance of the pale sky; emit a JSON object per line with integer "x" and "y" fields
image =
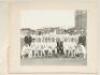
{"x": 36, "y": 19}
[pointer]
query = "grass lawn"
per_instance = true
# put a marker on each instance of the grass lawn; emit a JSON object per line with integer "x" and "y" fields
{"x": 53, "y": 61}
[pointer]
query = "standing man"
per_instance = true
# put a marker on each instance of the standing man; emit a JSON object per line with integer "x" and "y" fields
{"x": 28, "y": 39}
{"x": 60, "y": 47}
{"x": 82, "y": 40}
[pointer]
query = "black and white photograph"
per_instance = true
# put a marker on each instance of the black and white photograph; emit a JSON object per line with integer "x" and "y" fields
{"x": 49, "y": 37}
{"x": 53, "y": 37}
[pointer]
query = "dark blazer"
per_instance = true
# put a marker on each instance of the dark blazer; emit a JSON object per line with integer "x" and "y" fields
{"x": 28, "y": 40}
{"x": 60, "y": 47}
{"x": 82, "y": 40}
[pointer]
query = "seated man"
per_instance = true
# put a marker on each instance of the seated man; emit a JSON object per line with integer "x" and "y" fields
{"x": 25, "y": 51}
{"x": 80, "y": 51}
